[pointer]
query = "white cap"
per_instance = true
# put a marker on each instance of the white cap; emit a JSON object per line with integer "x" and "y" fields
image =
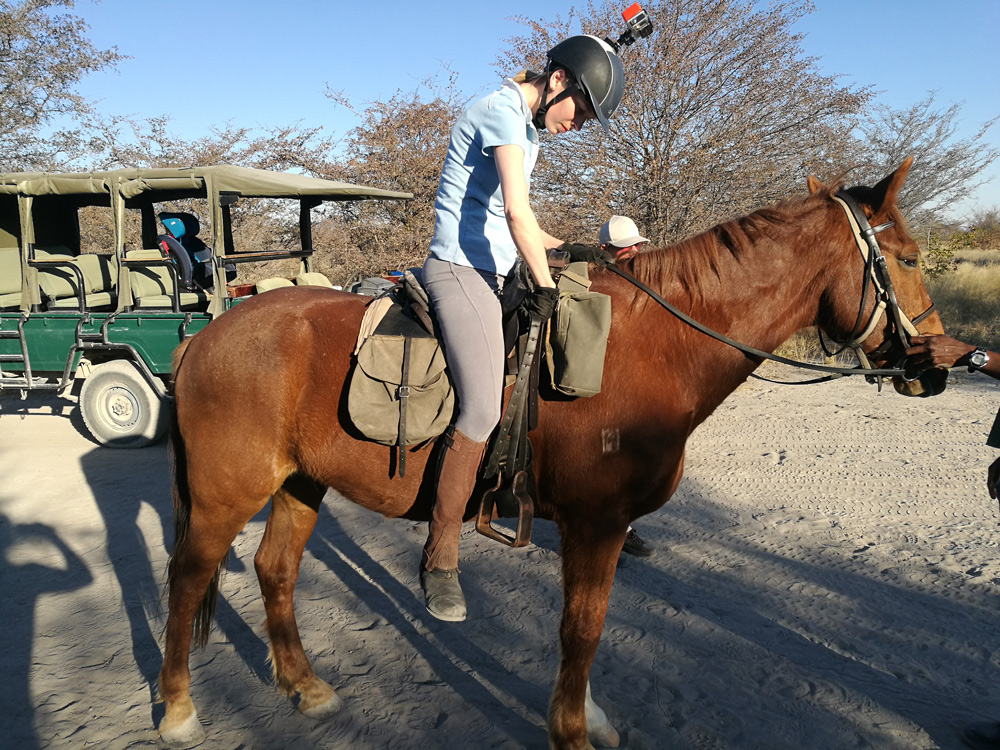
{"x": 620, "y": 231}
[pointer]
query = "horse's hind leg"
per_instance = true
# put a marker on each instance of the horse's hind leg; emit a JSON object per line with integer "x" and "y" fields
{"x": 195, "y": 568}
{"x": 293, "y": 515}
{"x": 589, "y": 553}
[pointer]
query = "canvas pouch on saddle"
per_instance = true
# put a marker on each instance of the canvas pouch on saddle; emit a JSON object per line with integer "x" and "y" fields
{"x": 578, "y": 335}
{"x": 399, "y": 392}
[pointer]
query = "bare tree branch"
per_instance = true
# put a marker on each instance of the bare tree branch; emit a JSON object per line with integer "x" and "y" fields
{"x": 44, "y": 53}
{"x": 946, "y": 170}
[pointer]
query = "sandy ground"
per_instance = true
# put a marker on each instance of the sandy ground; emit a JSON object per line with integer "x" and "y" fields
{"x": 827, "y": 577}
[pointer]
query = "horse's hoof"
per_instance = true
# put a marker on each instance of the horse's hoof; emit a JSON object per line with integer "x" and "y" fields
{"x": 599, "y": 730}
{"x": 188, "y": 733}
{"x": 606, "y": 736}
{"x": 318, "y": 701}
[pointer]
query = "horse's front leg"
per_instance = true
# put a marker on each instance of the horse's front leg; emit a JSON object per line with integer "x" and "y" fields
{"x": 590, "y": 550}
{"x": 293, "y": 515}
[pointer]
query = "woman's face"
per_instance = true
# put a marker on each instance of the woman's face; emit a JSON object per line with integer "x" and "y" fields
{"x": 569, "y": 114}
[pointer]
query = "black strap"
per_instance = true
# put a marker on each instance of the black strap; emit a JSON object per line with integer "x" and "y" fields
{"x": 743, "y": 347}
{"x": 403, "y": 394}
{"x": 423, "y": 318}
{"x": 503, "y": 452}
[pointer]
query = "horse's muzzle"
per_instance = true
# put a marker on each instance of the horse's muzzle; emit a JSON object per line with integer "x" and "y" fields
{"x": 929, "y": 383}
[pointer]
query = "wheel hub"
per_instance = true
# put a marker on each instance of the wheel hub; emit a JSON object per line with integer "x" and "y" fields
{"x": 121, "y": 407}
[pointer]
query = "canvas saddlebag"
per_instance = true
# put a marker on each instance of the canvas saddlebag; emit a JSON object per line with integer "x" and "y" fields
{"x": 399, "y": 392}
{"x": 578, "y": 335}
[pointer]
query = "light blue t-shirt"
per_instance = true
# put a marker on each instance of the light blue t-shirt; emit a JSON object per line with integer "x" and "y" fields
{"x": 469, "y": 225}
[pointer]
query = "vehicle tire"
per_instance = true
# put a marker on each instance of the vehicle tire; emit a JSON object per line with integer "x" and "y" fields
{"x": 120, "y": 408}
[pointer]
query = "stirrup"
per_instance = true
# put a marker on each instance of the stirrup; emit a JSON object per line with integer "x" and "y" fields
{"x": 525, "y": 513}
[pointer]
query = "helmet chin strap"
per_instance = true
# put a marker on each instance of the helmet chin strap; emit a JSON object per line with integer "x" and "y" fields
{"x": 539, "y": 119}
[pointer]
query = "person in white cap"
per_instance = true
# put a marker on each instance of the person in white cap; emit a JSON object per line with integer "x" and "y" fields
{"x": 620, "y": 236}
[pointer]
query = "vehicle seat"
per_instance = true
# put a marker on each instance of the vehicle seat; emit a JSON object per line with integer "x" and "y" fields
{"x": 10, "y": 278}
{"x": 152, "y": 286}
{"x": 266, "y": 285}
{"x": 312, "y": 279}
{"x": 59, "y": 284}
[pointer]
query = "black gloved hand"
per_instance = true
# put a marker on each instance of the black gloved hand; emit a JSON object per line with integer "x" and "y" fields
{"x": 588, "y": 253}
{"x": 542, "y": 302}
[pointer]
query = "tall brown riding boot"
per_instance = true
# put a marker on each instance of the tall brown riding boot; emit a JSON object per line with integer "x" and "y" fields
{"x": 439, "y": 565}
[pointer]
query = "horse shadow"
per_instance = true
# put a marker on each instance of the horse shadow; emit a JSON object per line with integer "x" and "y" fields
{"x": 33, "y": 580}
{"x": 455, "y": 659}
{"x": 731, "y": 610}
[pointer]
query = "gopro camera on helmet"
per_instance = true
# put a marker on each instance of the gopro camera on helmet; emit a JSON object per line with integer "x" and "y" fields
{"x": 637, "y": 26}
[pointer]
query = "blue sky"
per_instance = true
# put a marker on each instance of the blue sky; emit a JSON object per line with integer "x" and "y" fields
{"x": 259, "y": 64}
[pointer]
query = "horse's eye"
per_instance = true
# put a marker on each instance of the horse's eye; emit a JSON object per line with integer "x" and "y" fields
{"x": 909, "y": 262}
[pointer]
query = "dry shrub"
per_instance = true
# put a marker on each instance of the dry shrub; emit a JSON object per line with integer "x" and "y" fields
{"x": 804, "y": 346}
{"x": 967, "y": 301}
{"x": 979, "y": 258}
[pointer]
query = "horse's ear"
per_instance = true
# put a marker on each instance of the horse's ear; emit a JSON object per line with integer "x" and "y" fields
{"x": 815, "y": 186}
{"x": 887, "y": 191}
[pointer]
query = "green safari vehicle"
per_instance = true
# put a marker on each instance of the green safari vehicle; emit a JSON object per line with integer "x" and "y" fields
{"x": 111, "y": 319}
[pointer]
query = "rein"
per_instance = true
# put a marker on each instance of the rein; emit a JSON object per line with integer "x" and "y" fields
{"x": 835, "y": 371}
{"x": 876, "y": 273}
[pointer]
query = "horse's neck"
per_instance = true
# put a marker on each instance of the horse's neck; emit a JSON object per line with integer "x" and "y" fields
{"x": 763, "y": 293}
{"x": 761, "y": 300}
{"x": 758, "y": 299}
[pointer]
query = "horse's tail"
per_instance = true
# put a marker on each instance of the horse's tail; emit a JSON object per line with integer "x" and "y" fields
{"x": 182, "y": 511}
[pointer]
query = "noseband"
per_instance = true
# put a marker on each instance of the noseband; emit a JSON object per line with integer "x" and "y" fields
{"x": 876, "y": 275}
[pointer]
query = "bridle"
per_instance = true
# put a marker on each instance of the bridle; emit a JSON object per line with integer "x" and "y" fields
{"x": 876, "y": 276}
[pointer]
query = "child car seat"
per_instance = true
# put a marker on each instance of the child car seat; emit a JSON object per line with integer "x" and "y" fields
{"x": 182, "y": 240}
{"x": 179, "y": 255}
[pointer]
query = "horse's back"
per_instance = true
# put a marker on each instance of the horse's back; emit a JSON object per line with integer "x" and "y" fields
{"x": 264, "y": 345}
{"x": 259, "y": 394}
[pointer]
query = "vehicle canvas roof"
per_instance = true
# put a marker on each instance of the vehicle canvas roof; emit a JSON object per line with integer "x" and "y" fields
{"x": 225, "y": 178}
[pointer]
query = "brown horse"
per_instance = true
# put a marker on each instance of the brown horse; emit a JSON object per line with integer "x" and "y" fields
{"x": 259, "y": 413}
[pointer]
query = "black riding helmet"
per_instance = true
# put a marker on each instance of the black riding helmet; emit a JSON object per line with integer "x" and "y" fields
{"x": 597, "y": 72}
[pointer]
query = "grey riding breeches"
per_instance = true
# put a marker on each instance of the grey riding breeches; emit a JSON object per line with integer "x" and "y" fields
{"x": 468, "y": 312}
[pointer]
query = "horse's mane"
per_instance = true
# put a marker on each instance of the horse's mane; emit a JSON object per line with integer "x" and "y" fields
{"x": 689, "y": 261}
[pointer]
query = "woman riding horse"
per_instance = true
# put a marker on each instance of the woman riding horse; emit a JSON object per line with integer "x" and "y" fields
{"x": 482, "y": 222}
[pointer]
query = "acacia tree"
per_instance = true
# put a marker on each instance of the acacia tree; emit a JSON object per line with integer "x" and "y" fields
{"x": 44, "y": 53}
{"x": 119, "y": 142}
{"x": 946, "y": 170}
{"x": 399, "y": 145}
{"x": 723, "y": 112}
